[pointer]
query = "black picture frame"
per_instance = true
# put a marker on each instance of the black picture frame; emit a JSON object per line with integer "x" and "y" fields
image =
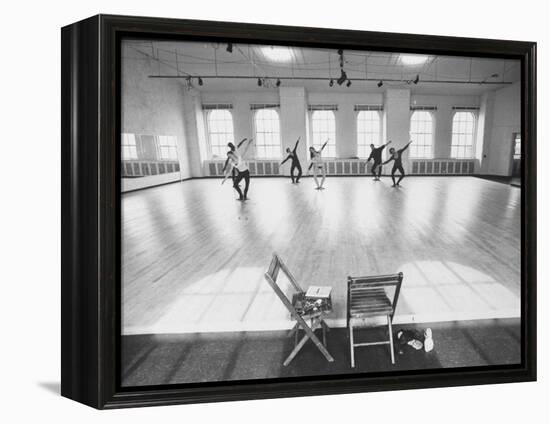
{"x": 90, "y": 175}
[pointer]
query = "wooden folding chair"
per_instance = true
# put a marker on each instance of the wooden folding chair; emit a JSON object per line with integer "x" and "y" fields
{"x": 369, "y": 297}
{"x": 315, "y": 319}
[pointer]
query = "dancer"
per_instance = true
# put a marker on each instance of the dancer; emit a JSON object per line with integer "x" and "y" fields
{"x": 237, "y": 162}
{"x": 295, "y": 162}
{"x": 232, "y": 149}
{"x": 376, "y": 156}
{"x": 397, "y": 164}
{"x": 318, "y": 165}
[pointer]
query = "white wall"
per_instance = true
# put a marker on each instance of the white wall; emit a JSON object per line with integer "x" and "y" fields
{"x": 506, "y": 121}
{"x": 153, "y": 107}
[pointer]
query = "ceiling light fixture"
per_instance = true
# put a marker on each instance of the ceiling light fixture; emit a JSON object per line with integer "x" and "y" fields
{"x": 413, "y": 59}
{"x": 343, "y": 77}
{"x": 278, "y": 54}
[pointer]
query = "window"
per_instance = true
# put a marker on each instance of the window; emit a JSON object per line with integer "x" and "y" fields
{"x": 323, "y": 125}
{"x": 220, "y": 131}
{"x": 268, "y": 134}
{"x": 368, "y": 131}
{"x": 517, "y": 146}
{"x": 129, "y": 148}
{"x": 421, "y": 134}
{"x": 462, "y": 144}
{"x": 168, "y": 148}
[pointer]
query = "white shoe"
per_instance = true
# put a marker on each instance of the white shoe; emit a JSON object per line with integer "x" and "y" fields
{"x": 428, "y": 340}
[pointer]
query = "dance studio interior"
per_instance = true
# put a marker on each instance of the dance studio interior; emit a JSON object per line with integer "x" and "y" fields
{"x": 234, "y": 268}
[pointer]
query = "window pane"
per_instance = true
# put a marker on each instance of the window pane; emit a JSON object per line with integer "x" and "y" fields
{"x": 323, "y": 125}
{"x": 421, "y": 135}
{"x": 220, "y": 131}
{"x": 368, "y": 131}
{"x": 462, "y": 140}
{"x": 268, "y": 136}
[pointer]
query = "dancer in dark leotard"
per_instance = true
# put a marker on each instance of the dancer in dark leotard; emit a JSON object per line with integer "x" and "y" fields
{"x": 397, "y": 164}
{"x": 376, "y": 156}
{"x": 292, "y": 155}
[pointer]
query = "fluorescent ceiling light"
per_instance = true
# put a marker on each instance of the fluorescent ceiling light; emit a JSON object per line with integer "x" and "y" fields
{"x": 277, "y": 54}
{"x": 413, "y": 59}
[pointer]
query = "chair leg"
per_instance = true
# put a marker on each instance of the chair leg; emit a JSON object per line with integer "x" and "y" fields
{"x": 324, "y": 333}
{"x": 296, "y": 350}
{"x": 352, "y": 353}
{"x": 391, "y": 340}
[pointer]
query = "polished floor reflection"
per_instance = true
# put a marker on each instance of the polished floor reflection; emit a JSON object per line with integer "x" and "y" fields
{"x": 194, "y": 257}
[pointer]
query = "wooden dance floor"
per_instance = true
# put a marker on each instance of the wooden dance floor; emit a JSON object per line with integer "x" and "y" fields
{"x": 194, "y": 257}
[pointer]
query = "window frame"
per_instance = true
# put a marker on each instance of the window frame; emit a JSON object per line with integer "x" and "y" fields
{"x": 256, "y": 138}
{"x": 133, "y": 147}
{"x": 380, "y": 132}
{"x": 331, "y": 144}
{"x": 474, "y": 135}
{"x": 209, "y": 133}
{"x": 415, "y": 145}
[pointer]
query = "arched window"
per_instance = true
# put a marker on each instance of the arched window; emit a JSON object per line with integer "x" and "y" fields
{"x": 462, "y": 144}
{"x": 422, "y": 128}
{"x": 323, "y": 126}
{"x": 220, "y": 131}
{"x": 268, "y": 134}
{"x": 368, "y": 131}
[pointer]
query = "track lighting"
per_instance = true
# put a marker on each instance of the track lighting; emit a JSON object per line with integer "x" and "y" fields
{"x": 349, "y": 83}
{"x": 415, "y": 81}
{"x": 343, "y": 77}
{"x": 278, "y": 83}
{"x": 380, "y": 84}
{"x": 229, "y": 47}
{"x": 331, "y": 82}
{"x": 259, "y": 82}
{"x": 200, "y": 81}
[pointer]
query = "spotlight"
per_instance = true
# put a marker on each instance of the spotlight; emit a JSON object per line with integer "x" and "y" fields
{"x": 331, "y": 83}
{"x": 415, "y": 81}
{"x": 349, "y": 83}
{"x": 278, "y": 83}
{"x": 343, "y": 77}
{"x": 259, "y": 82}
{"x": 229, "y": 47}
{"x": 380, "y": 84}
{"x": 200, "y": 81}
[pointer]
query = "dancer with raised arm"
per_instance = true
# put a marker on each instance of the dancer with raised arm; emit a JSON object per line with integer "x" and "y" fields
{"x": 376, "y": 156}
{"x": 232, "y": 149}
{"x": 295, "y": 164}
{"x": 236, "y": 161}
{"x": 396, "y": 155}
{"x": 318, "y": 165}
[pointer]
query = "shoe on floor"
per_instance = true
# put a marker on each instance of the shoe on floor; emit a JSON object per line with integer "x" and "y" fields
{"x": 428, "y": 340}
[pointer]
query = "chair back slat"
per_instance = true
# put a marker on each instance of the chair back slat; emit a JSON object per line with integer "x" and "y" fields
{"x": 367, "y": 295}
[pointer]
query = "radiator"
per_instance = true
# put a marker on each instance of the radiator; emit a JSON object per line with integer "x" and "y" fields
{"x": 143, "y": 168}
{"x": 442, "y": 166}
{"x": 214, "y": 168}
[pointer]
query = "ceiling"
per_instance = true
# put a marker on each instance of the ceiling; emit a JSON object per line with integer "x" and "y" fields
{"x": 221, "y": 70}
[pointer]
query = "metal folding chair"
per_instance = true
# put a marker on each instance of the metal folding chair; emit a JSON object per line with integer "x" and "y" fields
{"x": 315, "y": 319}
{"x": 368, "y": 298}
